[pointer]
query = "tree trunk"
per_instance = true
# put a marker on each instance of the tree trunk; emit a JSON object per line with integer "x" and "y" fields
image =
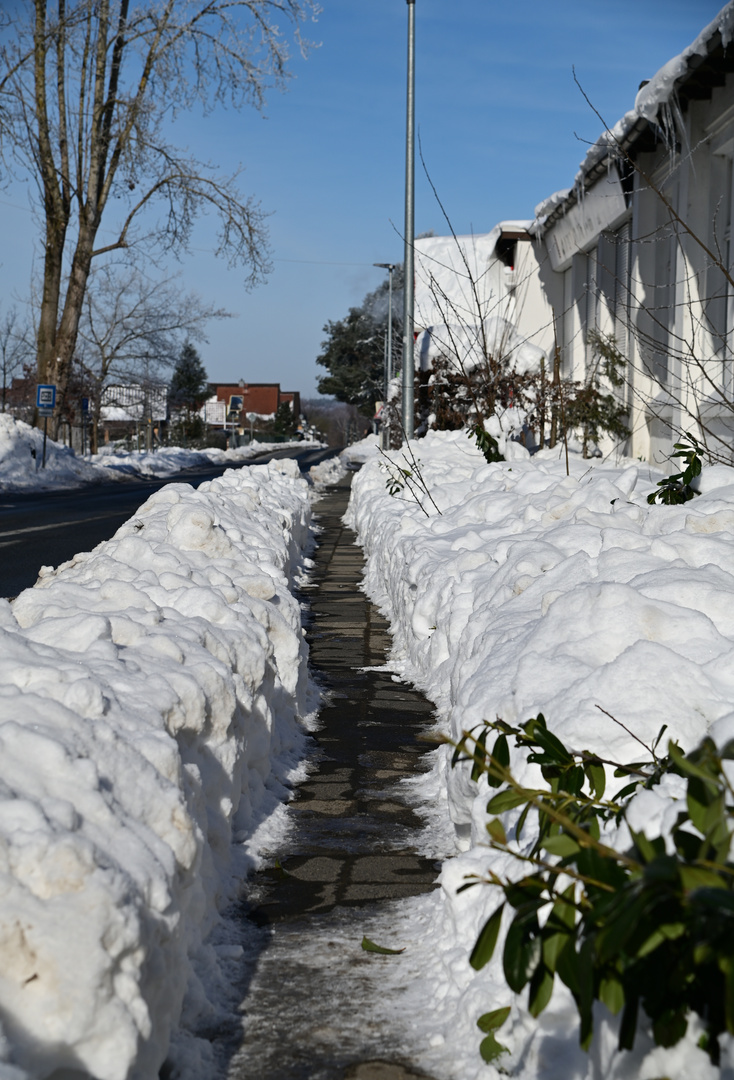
{"x": 68, "y": 331}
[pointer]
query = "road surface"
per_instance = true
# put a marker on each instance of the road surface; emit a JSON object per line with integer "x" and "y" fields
{"x": 45, "y": 529}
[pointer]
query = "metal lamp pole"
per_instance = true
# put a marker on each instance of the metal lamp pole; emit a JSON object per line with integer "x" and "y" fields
{"x": 408, "y": 359}
{"x": 388, "y": 354}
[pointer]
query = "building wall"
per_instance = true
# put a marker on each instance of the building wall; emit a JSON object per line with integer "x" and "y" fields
{"x": 653, "y": 283}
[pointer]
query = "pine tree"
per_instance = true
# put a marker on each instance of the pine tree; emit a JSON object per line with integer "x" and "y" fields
{"x": 354, "y": 351}
{"x": 188, "y": 390}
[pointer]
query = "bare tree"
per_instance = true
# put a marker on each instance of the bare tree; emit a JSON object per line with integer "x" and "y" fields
{"x": 132, "y": 329}
{"x": 15, "y": 350}
{"x": 87, "y": 91}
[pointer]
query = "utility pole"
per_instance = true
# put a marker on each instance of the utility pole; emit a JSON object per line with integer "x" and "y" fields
{"x": 388, "y": 355}
{"x": 408, "y": 345}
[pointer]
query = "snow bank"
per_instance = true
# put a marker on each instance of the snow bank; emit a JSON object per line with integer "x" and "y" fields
{"x": 21, "y": 455}
{"x": 533, "y": 591}
{"x": 150, "y": 694}
{"x": 355, "y": 455}
{"x": 329, "y": 471}
{"x": 169, "y": 460}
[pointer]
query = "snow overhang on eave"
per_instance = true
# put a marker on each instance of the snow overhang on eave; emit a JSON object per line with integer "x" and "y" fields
{"x": 691, "y": 76}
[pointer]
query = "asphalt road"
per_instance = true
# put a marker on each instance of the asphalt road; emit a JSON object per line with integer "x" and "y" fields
{"x": 47, "y": 529}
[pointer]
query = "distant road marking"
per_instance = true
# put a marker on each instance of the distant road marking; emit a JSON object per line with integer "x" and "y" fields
{"x": 57, "y": 525}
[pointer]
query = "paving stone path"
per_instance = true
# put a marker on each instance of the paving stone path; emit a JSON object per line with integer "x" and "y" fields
{"x": 349, "y": 847}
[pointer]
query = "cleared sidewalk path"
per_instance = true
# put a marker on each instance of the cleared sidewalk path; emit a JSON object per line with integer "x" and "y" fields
{"x": 306, "y": 1013}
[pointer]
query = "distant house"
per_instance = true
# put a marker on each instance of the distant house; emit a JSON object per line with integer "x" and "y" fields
{"x": 234, "y": 401}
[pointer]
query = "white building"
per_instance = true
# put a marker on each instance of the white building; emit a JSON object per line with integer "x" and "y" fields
{"x": 478, "y": 293}
{"x": 640, "y": 248}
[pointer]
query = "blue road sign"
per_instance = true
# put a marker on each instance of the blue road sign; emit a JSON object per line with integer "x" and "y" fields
{"x": 45, "y": 397}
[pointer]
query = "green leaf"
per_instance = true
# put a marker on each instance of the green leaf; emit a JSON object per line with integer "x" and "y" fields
{"x": 611, "y": 993}
{"x": 521, "y": 822}
{"x": 659, "y": 935}
{"x": 698, "y": 878}
{"x": 567, "y": 967}
{"x": 505, "y": 800}
{"x": 688, "y": 766}
{"x": 553, "y": 944}
{"x": 649, "y": 849}
{"x": 486, "y": 941}
{"x": 370, "y": 946}
{"x": 490, "y": 1049}
{"x": 552, "y": 745}
{"x": 597, "y": 778}
{"x": 496, "y": 831}
{"x": 670, "y": 1027}
{"x": 493, "y": 1020}
{"x": 528, "y": 893}
{"x": 522, "y": 949}
{"x": 541, "y": 988}
{"x": 687, "y": 844}
{"x": 501, "y": 757}
{"x": 659, "y": 736}
{"x": 628, "y": 1027}
{"x": 479, "y": 766}
{"x": 563, "y": 912}
{"x": 729, "y": 999}
{"x": 563, "y": 845}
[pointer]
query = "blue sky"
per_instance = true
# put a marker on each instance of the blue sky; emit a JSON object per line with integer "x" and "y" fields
{"x": 502, "y": 126}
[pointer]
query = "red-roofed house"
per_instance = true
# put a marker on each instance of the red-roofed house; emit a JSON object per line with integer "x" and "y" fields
{"x": 262, "y": 399}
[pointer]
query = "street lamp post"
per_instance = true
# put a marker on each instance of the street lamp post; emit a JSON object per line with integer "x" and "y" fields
{"x": 388, "y": 355}
{"x": 408, "y": 345}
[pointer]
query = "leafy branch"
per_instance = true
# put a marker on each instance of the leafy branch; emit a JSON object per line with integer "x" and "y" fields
{"x": 647, "y": 928}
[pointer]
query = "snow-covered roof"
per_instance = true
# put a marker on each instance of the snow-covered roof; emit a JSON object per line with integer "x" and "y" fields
{"x": 448, "y": 269}
{"x": 655, "y": 96}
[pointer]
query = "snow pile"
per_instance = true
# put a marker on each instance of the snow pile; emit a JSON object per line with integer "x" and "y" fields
{"x": 21, "y": 457}
{"x": 329, "y": 471}
{"x": 169, "y": 460}
{"x": 355, "y": 455}
{"x": 150, "y": 694}
{"x": 533, "y": 591}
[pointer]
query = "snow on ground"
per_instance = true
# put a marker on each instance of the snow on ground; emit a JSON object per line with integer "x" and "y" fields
{"x": 21, "y": 457}
{"x": 150, "y": 701}
{"x": 535, "y": 591}
{"x": 354, "y": 456}
{"x": 169, "y": 460}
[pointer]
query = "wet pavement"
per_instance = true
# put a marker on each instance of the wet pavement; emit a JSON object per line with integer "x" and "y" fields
{"x": 306, "y": 1014}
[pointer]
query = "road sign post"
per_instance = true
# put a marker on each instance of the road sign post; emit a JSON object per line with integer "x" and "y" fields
{"x": 45, "y": 405}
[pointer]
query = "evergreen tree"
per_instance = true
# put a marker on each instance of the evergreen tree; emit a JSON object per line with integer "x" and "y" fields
{"x": 188, "y": 389}
{"x": 354, "y": 351}
{"x": 285, "y": 422}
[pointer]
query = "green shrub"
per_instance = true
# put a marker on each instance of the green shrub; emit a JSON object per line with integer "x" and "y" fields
{"x": 677, "y": 488}
{"x": 649, "y": 927}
